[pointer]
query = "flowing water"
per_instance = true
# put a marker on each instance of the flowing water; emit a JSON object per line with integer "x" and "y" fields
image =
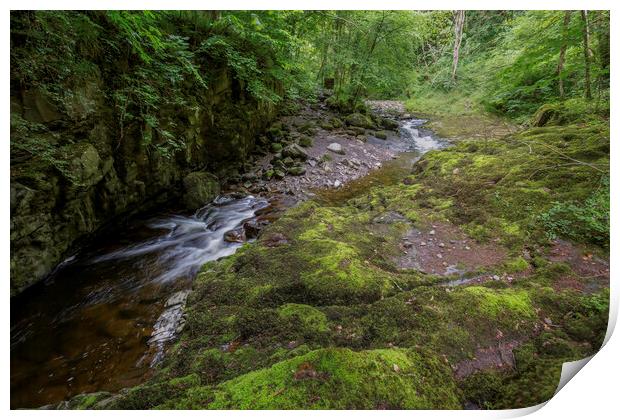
{"x": 412, "y": 143}
{"x": 104, "y": 317}
{"x": 96, "y": 323}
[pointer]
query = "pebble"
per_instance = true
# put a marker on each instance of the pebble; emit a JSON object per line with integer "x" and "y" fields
{"x": 496, "y": 277}
{"x": 441, "y": 245}
{"x": 467, "y": 248}
{"x": 439, "y": 256}
{"x": 337, "y": 184}
{"x": 422, "y": 243}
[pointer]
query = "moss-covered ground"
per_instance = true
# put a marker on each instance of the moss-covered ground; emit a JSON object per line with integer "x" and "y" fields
{"x": 325, "y": 319}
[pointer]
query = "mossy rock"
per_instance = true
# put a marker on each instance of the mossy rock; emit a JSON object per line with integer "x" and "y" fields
{"x": 311, "y": 319}
{"x": 337, "y": 379}
{"x": 296, "y": 170}
{"x": 359, "y": 120}
{"x": 388, "y": 124}
{"x": 383, "y": 135}
{"x": 336, "y": 122}
{"x": 200, "y": 189}
{"x": 357, "y": 131}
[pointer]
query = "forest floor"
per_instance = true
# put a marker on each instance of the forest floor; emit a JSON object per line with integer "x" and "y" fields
{"x": 437, "y": 288}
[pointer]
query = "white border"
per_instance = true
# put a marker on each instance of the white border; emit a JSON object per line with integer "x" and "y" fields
{"x": 594, "y": 391}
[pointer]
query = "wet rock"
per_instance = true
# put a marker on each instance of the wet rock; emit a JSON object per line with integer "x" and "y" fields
{"x": 235, "y": 235}
{"x": 275, "y": 240}
{"x": 336, "y": 148}
{"x": 169, "y": 324}
{"x": 252, "y": 228}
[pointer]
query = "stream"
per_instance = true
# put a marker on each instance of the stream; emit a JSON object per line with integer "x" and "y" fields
{"x": 103, "y": 318}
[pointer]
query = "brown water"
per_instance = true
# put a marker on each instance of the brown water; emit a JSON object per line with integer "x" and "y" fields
{"x": 87, "y": 327}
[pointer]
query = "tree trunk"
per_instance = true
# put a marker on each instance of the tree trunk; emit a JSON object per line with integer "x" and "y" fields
{"x": 603, "y": 49}
{"x": 563, "y": 52}
{"x": 459, "y": 21}
{"x": 587, "y": 54}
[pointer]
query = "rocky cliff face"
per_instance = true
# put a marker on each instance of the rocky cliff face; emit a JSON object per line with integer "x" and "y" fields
{"x": 74, "y": 167}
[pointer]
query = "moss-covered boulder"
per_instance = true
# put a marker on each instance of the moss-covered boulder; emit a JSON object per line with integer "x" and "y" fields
{"x": 383, "y": 135}
{"x": 336, "y": 379}
{"x": 359, "y": 120}
{"x": 200, "y": 188}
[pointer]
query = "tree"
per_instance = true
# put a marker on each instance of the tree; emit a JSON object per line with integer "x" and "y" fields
{"x": 587, "y": 53}
{"x": 459, "y": 21}
{"x": 567, "y": 15}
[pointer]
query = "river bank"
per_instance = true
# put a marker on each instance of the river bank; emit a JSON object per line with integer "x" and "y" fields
{"x": 118, "y": 302}
{"x": 439, "y": 288}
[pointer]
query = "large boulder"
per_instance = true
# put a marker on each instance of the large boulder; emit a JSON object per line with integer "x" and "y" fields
{"x": 359, "y": 120}
{"x": 200, "y": 188}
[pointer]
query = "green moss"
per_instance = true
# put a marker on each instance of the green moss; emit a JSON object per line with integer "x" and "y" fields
{"x": 502, "y": 188}
{"x": 341, "y": 379}
{"x": 311, "y": 319}
{"x": 502, "y": 302}
{"x": 516, "y": 265}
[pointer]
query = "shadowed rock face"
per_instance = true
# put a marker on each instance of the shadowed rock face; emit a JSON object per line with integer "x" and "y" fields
{"x": 101, "y": 174}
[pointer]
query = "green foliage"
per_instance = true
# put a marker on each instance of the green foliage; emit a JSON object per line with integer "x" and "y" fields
{"x": 163, "y": 61}
{"x": 587, "y": 221}
{"x": 509, "y": 61}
